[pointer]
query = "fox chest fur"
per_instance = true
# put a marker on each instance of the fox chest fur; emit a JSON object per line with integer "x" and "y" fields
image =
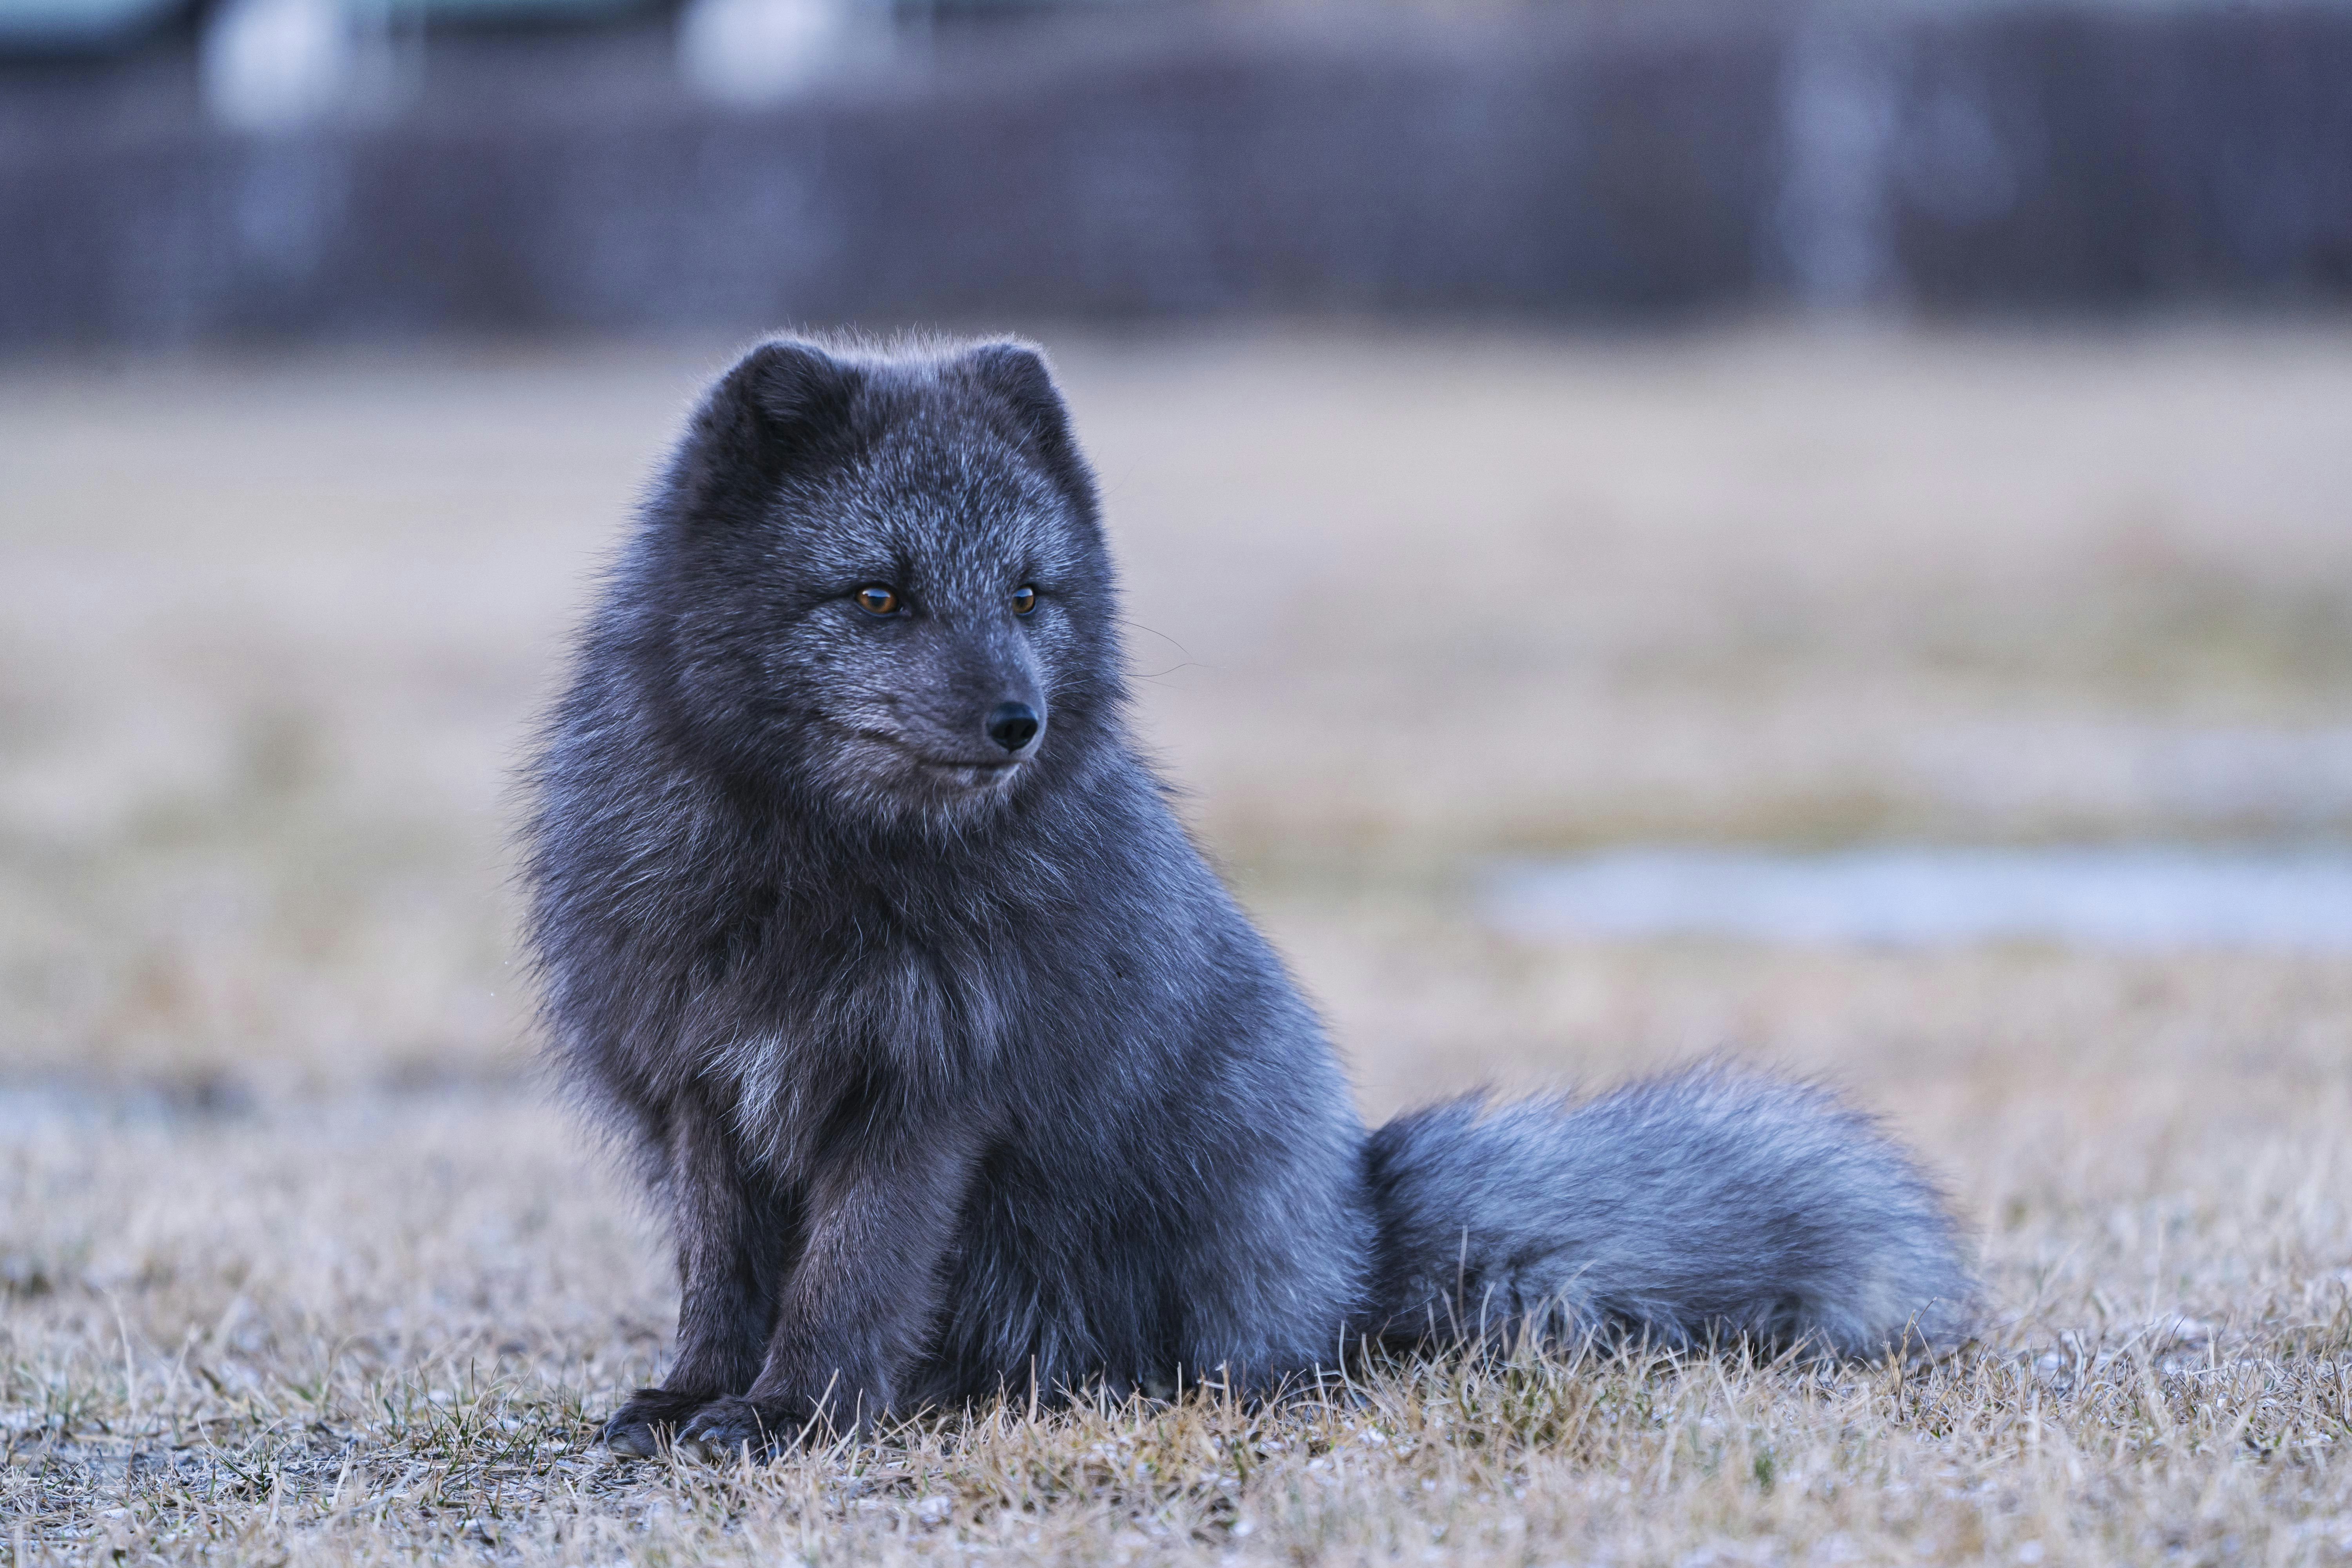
{"x": 819, "y": 999}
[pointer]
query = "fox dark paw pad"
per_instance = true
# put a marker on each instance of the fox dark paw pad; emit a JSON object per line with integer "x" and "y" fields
{"x": 639, "y": 1429}
{"x": 725, "y": 1427}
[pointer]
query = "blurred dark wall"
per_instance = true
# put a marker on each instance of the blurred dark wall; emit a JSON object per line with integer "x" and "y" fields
{"x": 1550, "y": 162}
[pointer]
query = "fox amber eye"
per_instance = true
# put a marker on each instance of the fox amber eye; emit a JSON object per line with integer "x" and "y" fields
{"x": 1024, "y": 599}
{"x": 878, "y": 601}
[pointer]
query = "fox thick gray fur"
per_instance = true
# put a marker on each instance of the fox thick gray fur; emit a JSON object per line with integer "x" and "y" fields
{"x": 860, "y": 920}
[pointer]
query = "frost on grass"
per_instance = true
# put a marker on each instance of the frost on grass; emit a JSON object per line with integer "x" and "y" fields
{"x": 358, "y": 1365}
{"x": 1620, "y": 1458}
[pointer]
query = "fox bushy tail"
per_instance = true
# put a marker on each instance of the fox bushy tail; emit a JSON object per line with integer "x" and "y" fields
{"x": 1706, "y": 1207}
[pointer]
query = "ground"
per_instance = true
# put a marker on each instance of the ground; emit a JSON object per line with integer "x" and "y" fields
{"x": 297, "y": 1264}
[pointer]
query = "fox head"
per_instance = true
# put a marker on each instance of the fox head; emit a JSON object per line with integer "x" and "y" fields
{"x": 879, "y": 576}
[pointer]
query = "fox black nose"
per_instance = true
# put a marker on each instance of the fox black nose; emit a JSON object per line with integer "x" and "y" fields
{"x": 1013, "y": 725}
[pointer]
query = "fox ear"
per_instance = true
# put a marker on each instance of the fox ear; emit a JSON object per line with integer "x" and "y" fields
{"x": 798, "y": 392}
{"x": 1016, "y": 374}
{"x": 783, "y": 405}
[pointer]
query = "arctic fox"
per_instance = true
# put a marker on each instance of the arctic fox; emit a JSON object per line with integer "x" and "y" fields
{"x": 955, "y": 1068}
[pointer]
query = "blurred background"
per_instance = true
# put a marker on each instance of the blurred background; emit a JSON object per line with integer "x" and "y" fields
{"x": 1651, "y": 525}
{"x": 175, "y": 171}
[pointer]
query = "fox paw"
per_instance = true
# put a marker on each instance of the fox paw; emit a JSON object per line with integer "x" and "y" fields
{"x": 724, "y": 1428}
{"x": 650, "y": 1420}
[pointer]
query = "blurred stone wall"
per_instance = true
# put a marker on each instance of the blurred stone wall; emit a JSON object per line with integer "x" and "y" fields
{"x": 1555, "y": 162}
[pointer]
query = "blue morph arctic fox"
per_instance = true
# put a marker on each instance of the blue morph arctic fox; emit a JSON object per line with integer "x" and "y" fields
{"x": 860, "y": 919}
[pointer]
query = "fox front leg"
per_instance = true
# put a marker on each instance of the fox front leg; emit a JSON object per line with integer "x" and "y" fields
{"x": 737, "y": 1234}
{"x": 860, "y": 1305}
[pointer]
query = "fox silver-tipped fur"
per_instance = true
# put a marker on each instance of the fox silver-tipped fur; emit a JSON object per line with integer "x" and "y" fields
{"x": 860, "y": 920}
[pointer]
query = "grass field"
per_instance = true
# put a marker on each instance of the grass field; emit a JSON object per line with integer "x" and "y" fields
{"x": 296, "y": 1265}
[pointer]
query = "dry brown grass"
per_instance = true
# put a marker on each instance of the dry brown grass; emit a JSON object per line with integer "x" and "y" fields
{"x": 294, "y": 1264}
